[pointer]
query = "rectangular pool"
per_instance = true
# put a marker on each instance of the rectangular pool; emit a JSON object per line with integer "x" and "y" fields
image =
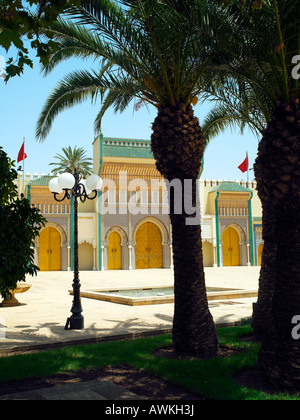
{"x": 159, "y": 295}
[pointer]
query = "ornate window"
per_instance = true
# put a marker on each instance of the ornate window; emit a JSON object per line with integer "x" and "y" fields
{"x": 122, "y": 197}
{"x": 165, "y": 197}
{"x": 133, "y": 197}
{"x": 144, "y": 197}
{"x": 155, "y": 197}
{"x": 111, "y": 197}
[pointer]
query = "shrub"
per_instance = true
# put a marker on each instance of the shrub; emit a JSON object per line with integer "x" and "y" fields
{"x": 19, "y": 225}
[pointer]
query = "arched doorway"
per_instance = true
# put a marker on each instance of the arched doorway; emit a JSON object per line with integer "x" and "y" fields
{"x": 50, "y": 250}
{"x": 114, "y": 251}
{"x": 85, "y": 256}
{"x": 208, "y": 254}
{"x": 148, "y": 249}
{"x": 231, "y": 248}
{"x": 259, "y": 253}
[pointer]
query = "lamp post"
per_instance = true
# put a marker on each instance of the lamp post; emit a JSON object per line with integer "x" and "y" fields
{"x": 71, "y": 185}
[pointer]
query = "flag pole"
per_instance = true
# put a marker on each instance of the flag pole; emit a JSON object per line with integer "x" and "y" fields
{"x": 23, "y": 188}
{"x": 247, "y": 170}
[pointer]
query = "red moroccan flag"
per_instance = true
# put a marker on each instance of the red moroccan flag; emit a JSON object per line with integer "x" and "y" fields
{"x": 244, "y": 165}
{"x": 22, "y": 155}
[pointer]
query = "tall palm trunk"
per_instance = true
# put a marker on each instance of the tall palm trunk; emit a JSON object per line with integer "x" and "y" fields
{"x": 262, "y": 310}
{"x": 279, "y": 358}
{"x": 277, "y": 171}
{"x": 178, "y": 145}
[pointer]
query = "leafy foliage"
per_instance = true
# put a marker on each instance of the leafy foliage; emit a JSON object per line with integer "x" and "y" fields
{"x": 19, "y": 24}
{"x": 19, "y": 225}
{"x": 8, "y": 174}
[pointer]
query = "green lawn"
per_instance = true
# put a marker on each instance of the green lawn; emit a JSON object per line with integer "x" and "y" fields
{"x": 212, "y": 378}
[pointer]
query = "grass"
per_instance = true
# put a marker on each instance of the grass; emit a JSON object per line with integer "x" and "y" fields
{"x": 212, "y": 378}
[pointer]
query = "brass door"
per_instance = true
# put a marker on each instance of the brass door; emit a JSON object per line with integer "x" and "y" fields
{"x": 50, "y": 250}
{"x": 231, "y": 248}
{"x": 148, "y": 250}
{"x": 114, "y": 252}
{"x": 260, "y": 251}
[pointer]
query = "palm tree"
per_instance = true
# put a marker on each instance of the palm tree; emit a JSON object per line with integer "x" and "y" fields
{"x": 236, "y": 107}
{"x": 148, "y": 53}
{"x": 278, "y": 183}
{"x": 71, "y": 160}
{"x": 265, "y": 45}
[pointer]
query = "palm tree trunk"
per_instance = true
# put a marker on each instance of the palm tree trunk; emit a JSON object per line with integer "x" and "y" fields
{"x": 279, "y": 358}
{"x": 277, "y": 170}
{"x": 262, "y": 310}
{"x": 194, "y": 331}
{"x": 178, "y": 144}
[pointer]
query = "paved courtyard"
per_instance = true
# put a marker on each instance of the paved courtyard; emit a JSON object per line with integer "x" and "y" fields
{"x": 41, "y": 318}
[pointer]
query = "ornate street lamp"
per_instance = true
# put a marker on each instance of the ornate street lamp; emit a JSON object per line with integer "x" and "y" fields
{"x": 83, "y": 189}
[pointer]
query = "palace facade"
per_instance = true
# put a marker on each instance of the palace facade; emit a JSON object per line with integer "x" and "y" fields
{"x": 127, "y": 226}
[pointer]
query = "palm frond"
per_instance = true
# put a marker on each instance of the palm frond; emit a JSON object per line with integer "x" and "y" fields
{"x": 74, "y": 41}
{"x": 236, "y": 106}
{"x": 115, "y": 98}
{"x": 74, "y": 89}
{"x": 221, "y": 118}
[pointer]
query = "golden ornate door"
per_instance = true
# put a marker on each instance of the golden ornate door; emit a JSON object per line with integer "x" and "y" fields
{"x": 50, "y": 250}
{"x": 259, "y": 252}
{"x": 231, "y": 248}
{"x": 114, "y": 252}
{"x": 148, "y": 250}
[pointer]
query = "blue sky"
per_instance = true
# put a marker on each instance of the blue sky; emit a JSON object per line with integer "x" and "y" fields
{"x": 22, "y": 99}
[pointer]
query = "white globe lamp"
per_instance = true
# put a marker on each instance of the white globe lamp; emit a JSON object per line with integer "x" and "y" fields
{"x": 66, "y": 181}
{"x": 99, "y": 185}
{"x": 87, "y": 190}
{"x": 93, "y": 181}
{"x": 54, "y": 186}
